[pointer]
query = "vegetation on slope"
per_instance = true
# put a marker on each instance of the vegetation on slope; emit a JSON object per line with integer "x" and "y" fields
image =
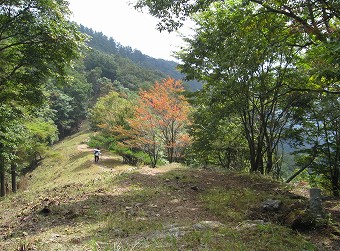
{"x": 139, "y": 64}
{"x": 72, "y": 204}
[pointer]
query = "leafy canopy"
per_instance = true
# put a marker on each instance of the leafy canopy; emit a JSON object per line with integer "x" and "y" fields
{"x": 37, "y": 41}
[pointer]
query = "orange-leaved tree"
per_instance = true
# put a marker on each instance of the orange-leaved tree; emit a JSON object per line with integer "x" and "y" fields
{"x": 160, "y": 120}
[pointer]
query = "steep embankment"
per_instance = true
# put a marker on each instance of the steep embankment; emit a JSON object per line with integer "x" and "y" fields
{"x": 73, "y": 204}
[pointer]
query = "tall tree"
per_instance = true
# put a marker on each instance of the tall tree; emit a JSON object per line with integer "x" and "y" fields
{"x": 37, "y": 41}
{"x": 217, "y": 134}
{"x": 317, "y": 20}
{"x": 247, "y": 66}
{"x": 110, "y": 111}
{"x": 10, "y": 137}
{"x": 169, "y": 110}
{"x": 160, "y": 121}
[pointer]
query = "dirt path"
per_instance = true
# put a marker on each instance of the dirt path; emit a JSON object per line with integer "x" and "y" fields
{"x": 152, "y": 204}
{"x": 111, "y": 161}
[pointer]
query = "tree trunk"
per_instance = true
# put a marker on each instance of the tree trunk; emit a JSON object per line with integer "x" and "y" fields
{"x": 14, "y": 177}
{"x": 335, "y": 182}
{"x": 170, "y": 154}
{"x": 2, "y": 177}
{"x": 314, "y": 149}
{"x": 252, "y": 161}
{"x": 269, "y": 166}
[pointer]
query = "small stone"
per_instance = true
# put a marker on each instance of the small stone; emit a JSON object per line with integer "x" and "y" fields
{"x": 195, "y": 188}
{"x": 141, "y": 219}
{"x": 208, "y": 225}
{"x": 250, "y": 224}
{"x": 174, "y": 201}
{"x": 271, "y": 205}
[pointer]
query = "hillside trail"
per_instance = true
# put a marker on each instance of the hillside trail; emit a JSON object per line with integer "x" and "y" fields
{"x": 112, "y": 162}
{"x": 183, "y": 202}
{"x": 73, "y": 201}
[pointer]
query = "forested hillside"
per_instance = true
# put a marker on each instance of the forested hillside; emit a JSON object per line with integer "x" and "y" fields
{"x": 102, "y": 43}
{"x": 271, "y": 81}
{"x": 51, "y": 78}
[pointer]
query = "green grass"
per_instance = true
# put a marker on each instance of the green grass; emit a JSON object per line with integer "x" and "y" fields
{"x": 113, "y": 206}
{"x": 232, "y": 204}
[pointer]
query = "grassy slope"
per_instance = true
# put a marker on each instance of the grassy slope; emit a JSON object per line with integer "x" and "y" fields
{"x": 72, "y": 204}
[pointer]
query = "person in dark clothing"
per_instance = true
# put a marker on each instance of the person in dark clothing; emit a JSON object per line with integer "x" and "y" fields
{"x": 96, "y": 153}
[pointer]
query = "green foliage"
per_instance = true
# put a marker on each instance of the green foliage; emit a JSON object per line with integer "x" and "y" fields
{"x": 38, "y": 41}
{"x": 105, "y": 62}
{"x": 316, "y": 19}
{"x": 245, "y": 66}
{"x": 320, "y": 142}
{"x": 102, "y": 141}
{"x": 12, "y": 131}
{"x": 133, "y": 69}
{"x": 217, "y": 139}
{"x": 133, "y": 156}
{"x": 117, "y": 68}
{"x": 42, "y": 131}
{"x": 41, "y": 134}
{"x": 77, "y": 87}
{"x": 69, "y": 99}
{"x": 61, "y": 104}
{"x": 110, "y": 111}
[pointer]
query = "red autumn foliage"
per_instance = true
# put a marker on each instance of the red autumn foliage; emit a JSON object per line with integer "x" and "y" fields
{"x": 160, "y": 120}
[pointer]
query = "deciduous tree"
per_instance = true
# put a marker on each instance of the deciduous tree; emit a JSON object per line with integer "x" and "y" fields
{"x": 217, "y": 134}
{"x": 37, "y": 41}
{"x": 110, "y": 111}
{"x": 160, "y": 121}
{"x": 318, "y": 21}
{"x": 316, "y": 18}
{"x": 247, "y": 67}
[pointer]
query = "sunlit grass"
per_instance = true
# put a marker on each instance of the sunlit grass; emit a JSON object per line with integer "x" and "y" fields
{"x": 111, "y": 206}
{"x": 232, "y": 204}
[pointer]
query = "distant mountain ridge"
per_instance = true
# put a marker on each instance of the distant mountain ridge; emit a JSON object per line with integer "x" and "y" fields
{"x": 108, "y": 45}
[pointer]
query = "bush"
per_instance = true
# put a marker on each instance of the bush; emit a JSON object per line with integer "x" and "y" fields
{"x": 103, "y": 141}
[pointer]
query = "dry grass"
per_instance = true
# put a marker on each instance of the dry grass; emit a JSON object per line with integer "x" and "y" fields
{"x": 73, "y": 204}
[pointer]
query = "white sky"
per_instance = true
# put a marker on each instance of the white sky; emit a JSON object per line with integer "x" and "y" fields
{"x": 116, "y": 19}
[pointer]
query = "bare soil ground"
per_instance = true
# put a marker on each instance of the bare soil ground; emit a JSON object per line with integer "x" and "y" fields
{"x": 58, "y": 218}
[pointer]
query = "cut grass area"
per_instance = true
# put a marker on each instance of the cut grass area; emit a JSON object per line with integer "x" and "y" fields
{"x": 232, "y": 204}
{"x": 266, "y": 237}
{"x": 73, "y": 204}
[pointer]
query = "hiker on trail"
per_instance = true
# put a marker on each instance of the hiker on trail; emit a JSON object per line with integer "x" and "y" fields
{"x": 96, "y": 153}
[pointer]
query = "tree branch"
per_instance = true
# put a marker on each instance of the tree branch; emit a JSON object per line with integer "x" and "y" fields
{"x": 304, "y": 167}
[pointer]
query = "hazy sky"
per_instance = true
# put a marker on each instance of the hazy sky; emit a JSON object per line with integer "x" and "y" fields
{"x": 116, "y": 19}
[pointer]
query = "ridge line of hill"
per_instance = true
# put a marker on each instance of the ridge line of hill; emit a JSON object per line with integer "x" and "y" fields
{"x": 71, "y": 203}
